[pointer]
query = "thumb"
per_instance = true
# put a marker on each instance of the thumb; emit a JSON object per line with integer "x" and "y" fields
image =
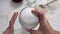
{"x": 34, "y": 32}
{"x": 10, "y": 29}
{"x": 40, "y": 13}
{"x": 12, "y": 21}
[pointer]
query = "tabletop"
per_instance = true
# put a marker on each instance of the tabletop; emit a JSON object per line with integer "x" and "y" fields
{"x": 7, "y": 8}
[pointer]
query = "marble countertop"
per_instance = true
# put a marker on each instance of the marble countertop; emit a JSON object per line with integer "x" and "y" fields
{"x": 7, "y": 8}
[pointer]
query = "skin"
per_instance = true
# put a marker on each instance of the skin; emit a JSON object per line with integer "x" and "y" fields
{"x": 44, "y": 28}
{"x": 10, "y": 29}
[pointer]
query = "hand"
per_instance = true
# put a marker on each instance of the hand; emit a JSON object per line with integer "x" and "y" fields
{"x": 10, "y": 29}
{"x": 45, "y": 27}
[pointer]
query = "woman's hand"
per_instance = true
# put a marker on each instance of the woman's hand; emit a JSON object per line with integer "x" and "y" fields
{"x": 10, "y": 29}
{"x": 45, "y": 27}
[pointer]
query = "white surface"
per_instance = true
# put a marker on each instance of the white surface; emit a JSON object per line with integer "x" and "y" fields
{"x": 7, "y": 9}
{"x": 6, "y": 12}
{"x": 21, "y": 31}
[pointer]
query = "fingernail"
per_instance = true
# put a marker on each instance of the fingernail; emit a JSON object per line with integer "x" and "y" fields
{"x": 16, "y": 12}
{"x": 33, "y": 11}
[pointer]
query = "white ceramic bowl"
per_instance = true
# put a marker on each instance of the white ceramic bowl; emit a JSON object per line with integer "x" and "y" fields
{"x": 27, "y": 19}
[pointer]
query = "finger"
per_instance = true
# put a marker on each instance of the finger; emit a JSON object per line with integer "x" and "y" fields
{"x": 10, "y": 29}
{"x": 38, "y": 12}
{"x": 30, "y": 31}
{"x": 12, "y": 21}
{"x": 33, "y": 32}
